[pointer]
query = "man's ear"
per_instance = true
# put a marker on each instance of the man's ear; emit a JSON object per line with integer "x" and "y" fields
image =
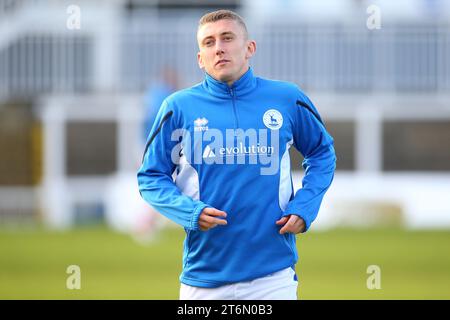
{"x": 200, "y": 61}
{"x": 251, "y": 49}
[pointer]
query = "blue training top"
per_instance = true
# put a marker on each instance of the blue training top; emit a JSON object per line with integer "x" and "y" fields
{"x": 230, "y": 149}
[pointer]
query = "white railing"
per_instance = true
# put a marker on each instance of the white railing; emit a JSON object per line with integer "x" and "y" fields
{"x": 327, "y": 57}
{"x": 40, "y": 64}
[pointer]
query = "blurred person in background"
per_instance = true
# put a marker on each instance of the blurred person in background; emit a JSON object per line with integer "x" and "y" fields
{"x": 145, "y": 220}
{"x": 240, "y": 219}
{"x": 164, "y": 86}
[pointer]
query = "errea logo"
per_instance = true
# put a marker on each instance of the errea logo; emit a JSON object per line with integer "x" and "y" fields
{"x": 201, "y": 124}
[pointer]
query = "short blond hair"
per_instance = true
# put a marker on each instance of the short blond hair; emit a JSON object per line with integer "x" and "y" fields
{"x": 221, "y": 15}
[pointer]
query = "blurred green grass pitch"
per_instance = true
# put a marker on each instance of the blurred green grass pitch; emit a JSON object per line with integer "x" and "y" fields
{"x": 414, "y": 264}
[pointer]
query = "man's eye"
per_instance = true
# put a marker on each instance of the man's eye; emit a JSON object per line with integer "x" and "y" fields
{"x": 228, "y": 38}
{"x": 208, "y": 43}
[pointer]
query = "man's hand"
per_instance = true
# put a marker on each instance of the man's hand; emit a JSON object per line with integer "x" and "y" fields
{"x": 208, "y": 221}
{"x": 292, "y": 223}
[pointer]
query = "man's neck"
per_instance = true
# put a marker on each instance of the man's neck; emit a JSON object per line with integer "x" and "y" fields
{"x": 230, "y": 82}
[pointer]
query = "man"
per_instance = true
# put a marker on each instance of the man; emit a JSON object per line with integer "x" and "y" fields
{"x": 165, "y": 85}
{"x": 228, "y": 138}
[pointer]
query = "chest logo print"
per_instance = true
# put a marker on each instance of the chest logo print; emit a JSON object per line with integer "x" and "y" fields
{"x": 201, "y": 124}
{"x": 273, "y": 119}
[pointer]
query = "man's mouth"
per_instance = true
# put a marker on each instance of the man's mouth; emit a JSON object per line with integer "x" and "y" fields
{"x": 222, "y": 61}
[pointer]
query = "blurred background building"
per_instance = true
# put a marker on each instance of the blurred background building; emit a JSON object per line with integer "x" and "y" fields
{"x": 74, "y": 77}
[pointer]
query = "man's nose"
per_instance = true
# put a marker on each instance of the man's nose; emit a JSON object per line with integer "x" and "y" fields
{"x": 219, "y": 48}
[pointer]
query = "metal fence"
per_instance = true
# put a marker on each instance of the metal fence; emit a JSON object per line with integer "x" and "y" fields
{"x": 324, "y": 57}
{"x": 36, "y": 64}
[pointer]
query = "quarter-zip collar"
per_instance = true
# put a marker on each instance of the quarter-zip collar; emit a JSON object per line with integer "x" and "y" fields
{"x": 240, "y": 87}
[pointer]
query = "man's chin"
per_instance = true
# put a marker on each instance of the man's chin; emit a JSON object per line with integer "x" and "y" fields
{"x": 223, "y": 77}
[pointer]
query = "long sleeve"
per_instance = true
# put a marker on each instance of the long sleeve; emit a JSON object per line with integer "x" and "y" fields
{"x": 313, "y": 141}
{"x": 155, "y": 180}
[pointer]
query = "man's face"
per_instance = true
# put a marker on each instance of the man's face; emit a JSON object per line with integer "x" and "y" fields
{"x": 224, "y": 50}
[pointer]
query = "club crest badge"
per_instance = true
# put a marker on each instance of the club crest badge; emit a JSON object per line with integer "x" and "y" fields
{"x": 273, "y": 119}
